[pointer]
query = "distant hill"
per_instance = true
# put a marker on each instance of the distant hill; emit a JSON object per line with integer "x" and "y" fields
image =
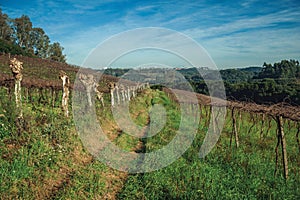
{"x": 233, "y": 75}
{"x": 192, "y": 74}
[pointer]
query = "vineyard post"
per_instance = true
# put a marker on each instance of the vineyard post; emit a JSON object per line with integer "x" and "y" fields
{"x": 66, "y": 83}
{"x": 213, "y": 118}
{"x": 128, "y": 91}
{"x": 16, "y": 67}
{"x": 234, "y": 129}
{"x": 112, "y": 88}
{"x": 90, "y": 85}
{"x": 125, "y": 94}
{"x": 240, "y": 121}
{"x": 118, "y": 94}
{"x": 281, "y": 136}
{"x": 98, "y": 93}
{"x": 122, "y": 93}
{"x": 133, "y": 91}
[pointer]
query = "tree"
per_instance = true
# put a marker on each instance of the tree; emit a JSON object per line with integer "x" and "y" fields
{"x": 40, "y": 42}
{"x": 18, "y": 36}
{"x": 22, "y": 30}
{"x": 283, "y": 69}
{"x": 5, "y": 29}
{"x": 56, "y": 52}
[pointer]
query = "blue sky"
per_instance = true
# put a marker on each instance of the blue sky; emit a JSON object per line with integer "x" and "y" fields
{"x": 234, "y": 33}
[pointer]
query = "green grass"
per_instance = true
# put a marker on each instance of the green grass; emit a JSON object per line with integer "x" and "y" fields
{"x": 225, "y": 173}
{"x": 48, "y": 160}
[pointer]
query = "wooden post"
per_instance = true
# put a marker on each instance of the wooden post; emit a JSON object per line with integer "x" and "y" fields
{"x": 122, "y": 88}
{"x": 117, "y": 93}
{"x": 128, "y": 93}
{"x": 281, "y": 136}
{"x": 98, "y": 93}
{"x": 112, "y": 89}
{"x": 240, "y": 121}
{"x": 213, "y": 118}
{"x": 16, "y": 67}
{"x": 88, "y": 83}
{"x": 125, "y": 94}
{"x": 133, "y": 88}
{"x": 234, "y": 129}
{"x": 65, "y": 98}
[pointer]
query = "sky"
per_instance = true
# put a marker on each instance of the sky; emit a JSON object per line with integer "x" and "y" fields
{"x": 233, "y": 33}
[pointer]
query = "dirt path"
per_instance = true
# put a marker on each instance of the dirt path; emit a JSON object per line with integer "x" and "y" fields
{"x": 115, "y": 180}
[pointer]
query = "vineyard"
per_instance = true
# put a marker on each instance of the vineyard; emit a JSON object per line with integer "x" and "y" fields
{"x": 42, "y": 156}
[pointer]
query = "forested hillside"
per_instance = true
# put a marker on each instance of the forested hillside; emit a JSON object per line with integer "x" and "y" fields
{"x": 278, "y": 82}
{"x": 269, "y": 84}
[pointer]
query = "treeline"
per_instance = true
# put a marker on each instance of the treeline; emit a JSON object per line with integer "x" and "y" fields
{"x": 269, "y": 84}
{"x": 274, "y": 83}
{"x": 19, "y": 37}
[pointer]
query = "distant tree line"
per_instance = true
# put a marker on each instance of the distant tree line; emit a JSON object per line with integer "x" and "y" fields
{"x": 18, "y": 36}
{"x": 269, "y": 84}
{"x": 278, "y": 82}
{"x": 273, "y": 83}
{"x": 285, "y": 69}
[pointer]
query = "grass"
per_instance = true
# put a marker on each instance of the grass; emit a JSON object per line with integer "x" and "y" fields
{"x": 48, "y": 160}
{"x": 227, "y": 172}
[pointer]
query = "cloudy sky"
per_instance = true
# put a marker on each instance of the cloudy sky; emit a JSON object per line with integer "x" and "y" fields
{"x": 234, "y": 33}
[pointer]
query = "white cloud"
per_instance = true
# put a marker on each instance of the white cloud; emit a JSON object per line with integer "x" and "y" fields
{"x": 254, "y": 48}
{"x": 266, "y": 21}
{"x": 231, "y": 35}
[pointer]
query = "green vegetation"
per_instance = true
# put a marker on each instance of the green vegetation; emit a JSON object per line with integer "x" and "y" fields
{"x": 47, "y": 160}
{"x": 268, "y": 84}
{"x": 7, "y": 47}
{"x": 274, "y": 84}
{"x": 227, "y": 172}
{"x": 284, "y": 69}
{"x": 19, "y": 37}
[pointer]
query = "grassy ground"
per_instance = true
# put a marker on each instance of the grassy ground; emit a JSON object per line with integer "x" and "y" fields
{"x": 47, "y": 160}
{"x": 227, "y": 172}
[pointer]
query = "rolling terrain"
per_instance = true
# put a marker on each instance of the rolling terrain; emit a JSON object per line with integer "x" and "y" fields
{"x": 46, "y": 159}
